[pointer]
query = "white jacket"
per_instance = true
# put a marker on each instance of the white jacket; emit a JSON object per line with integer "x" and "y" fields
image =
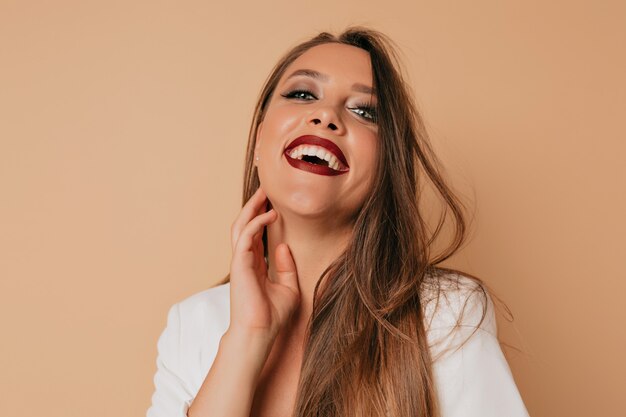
{"x": 472, "y": 381}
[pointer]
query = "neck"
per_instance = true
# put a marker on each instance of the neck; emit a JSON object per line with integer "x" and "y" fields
{"x": 314, "y": 245}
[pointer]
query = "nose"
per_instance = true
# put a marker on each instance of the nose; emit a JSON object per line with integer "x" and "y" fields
{"x": 327, "y": 117}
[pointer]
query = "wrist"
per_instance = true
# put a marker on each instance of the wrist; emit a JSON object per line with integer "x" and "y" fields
{"x": 251, "y": 347}
{"x": 255, "y": 338}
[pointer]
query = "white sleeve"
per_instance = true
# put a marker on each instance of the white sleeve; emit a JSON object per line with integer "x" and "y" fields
{"x": 172, "y": 396}
{"x": 472, "y": 375}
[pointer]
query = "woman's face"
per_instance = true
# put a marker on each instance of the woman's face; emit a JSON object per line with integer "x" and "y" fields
{"x": 318, "y": 140}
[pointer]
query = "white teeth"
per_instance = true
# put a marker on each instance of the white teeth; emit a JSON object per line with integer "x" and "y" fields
{"x": 317, "y": 151}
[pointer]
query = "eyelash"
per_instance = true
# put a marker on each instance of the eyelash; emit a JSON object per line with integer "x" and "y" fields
{"x": 296, "y": 93}
{"x": 366, "y": 108}
{"x": 359, "y": 109}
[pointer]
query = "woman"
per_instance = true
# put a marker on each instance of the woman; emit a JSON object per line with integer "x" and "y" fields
{"x": 335, "y": 306}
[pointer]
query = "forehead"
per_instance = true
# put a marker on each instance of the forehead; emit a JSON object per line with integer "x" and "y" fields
{"x": 338, "y": 61}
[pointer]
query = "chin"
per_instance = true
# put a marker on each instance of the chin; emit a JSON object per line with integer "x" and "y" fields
{"x": 304, "y": 203}
{"x": 304, "y": 200}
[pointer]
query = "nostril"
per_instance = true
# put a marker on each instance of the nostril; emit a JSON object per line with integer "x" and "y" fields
{"x": 316, "y": 121}
{"x": 332, "y": 126}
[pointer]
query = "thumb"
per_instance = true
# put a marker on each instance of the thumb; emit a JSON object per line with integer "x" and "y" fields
{"x": 286, "y": 268}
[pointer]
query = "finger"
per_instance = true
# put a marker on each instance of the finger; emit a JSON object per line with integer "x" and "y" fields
{"x": 249, "y": 210}
{"x": 286, "y": 273}
{"x": 253, "y": 231}
{"x": 254, "y": 206}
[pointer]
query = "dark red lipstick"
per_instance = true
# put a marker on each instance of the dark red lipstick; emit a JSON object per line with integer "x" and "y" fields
{"x": 312, "y": 167}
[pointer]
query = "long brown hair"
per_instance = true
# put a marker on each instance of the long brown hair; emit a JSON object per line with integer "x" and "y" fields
{"x": 367, "y": 351}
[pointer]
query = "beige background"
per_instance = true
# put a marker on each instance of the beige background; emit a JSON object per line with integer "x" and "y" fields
{"x": 122, "y": 133}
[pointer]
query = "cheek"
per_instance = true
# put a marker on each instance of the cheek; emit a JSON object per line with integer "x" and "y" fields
{"x": 367, "y": 154}
{"x": 279, "y": 121}
{"x": 367, "y": 150}
{"x": 370, "y": 152}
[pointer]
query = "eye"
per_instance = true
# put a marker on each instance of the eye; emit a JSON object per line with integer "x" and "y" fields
{"x": 304, "y": 95}
{"x": 366, "y": 112}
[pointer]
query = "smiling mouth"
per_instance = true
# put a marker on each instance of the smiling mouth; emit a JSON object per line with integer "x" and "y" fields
{"x": 316, "y": 155}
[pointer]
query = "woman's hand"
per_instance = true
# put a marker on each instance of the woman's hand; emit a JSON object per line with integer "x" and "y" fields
{"x": 259, "y": 306}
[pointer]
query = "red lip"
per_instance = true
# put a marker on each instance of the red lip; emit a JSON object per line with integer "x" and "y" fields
{"x": 314, "y": 168}
{"x": 324, "y": 143}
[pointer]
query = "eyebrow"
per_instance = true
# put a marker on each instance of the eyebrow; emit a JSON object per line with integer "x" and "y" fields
{"x": 309, "y": 73}
{"x": 358, "y": 87}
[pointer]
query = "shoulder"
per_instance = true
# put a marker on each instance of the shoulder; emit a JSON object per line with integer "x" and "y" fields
{"x": 212, "y": 303}
{"x": 187, "y": 347}
{"x": 472, "y": 375}
{"x": 456, "y": 307}
{"x": 202, "y": 316}
{"x": 194, "y": 328}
